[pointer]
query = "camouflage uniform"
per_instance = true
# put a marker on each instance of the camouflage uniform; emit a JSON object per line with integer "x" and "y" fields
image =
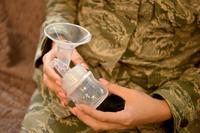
{"x": 151, "y": 43}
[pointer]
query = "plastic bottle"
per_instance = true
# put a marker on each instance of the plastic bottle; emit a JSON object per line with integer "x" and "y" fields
{"x": 83, "y": 88}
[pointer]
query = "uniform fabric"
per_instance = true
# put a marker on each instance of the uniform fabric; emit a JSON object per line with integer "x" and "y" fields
{"x": 149, "y": 45}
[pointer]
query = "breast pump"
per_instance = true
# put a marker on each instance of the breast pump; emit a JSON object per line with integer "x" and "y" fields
{"x": 80, "y": 85}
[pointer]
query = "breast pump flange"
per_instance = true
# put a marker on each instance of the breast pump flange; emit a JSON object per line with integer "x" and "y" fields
{"x": 67, "y": 36}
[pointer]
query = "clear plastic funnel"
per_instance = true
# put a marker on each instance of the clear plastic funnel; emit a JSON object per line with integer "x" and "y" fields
{"x": 67, "y": 37}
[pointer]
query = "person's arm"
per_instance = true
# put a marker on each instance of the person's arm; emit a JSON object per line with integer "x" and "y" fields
{"x": 183, "y": 97}
{"x": 179, "y": 98}
{"x": 139, "y": 109}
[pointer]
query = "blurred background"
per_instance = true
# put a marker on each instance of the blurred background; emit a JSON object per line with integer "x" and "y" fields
{"x": 20, "y": 22}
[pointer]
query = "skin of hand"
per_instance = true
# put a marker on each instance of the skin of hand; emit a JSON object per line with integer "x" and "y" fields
{"x": 51, "y": 79}
{"x": 139, "y": 109}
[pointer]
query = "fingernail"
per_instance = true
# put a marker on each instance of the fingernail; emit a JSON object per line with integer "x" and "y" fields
{"x": 85, "y": 66}
{"x": 72, "y": 110}
{"x": 62, "y": 94}
{"x": 103, "y": 81}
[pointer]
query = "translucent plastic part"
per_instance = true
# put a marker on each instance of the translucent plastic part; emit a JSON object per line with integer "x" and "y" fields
{"x": 89, "y": 92}
{"x": 67, "y": 37}
{"x": 83, "y": 88}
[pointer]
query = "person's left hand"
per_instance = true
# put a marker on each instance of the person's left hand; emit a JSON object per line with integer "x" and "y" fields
{"x": 140, "y": 108}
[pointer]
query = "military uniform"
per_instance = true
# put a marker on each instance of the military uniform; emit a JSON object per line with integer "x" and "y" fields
{"x": 149, "y": 45}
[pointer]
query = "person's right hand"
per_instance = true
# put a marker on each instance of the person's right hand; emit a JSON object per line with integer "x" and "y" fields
{"x": 51, "y": 79}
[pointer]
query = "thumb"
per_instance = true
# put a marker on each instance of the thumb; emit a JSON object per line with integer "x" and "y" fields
{"x": 114, "y": 88}
{"x": 78, "y": 59}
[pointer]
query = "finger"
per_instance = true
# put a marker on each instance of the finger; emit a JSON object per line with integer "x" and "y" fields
{"x": 95, "y": 124}
{"x": 51, "y": 85}
{"x": 112, "y": 117}
{"x": 64, "y": 102}
{"x": 47, "y": 58}
{"x": 62, "y": 94}
{"x": 77, "y": 59}
{"x": 115, "y": 89}
{"x": 55, "y": 88}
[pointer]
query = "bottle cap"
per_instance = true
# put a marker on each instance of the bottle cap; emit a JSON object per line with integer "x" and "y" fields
{"x": 72, "y": 78}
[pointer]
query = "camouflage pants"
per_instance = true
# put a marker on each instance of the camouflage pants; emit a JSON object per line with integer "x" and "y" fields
{"x": 40, "y": 119}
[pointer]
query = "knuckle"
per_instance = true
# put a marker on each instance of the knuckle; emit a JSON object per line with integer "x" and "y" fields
{"x": 103, "y": 119}
{"x": 57, "y": 91}
{"x": 127, "y": 122}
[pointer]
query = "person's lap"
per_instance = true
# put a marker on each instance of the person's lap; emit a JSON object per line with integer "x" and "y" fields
{"x": 40, "y": 119}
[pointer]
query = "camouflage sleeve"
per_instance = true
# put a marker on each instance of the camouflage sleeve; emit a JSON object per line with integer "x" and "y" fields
{"x": 56, "y": 11}
{"x": 183, "y": 97}
{"x": 193, "y": 5}
{"x": 183, "y": 94}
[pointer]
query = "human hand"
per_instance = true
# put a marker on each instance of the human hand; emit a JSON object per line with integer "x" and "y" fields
{"x": 51, "y": 79}
{"x": 139, "y": 109}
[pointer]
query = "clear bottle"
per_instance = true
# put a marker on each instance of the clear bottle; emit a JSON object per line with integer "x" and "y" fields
{"x": 83, "y": 88}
